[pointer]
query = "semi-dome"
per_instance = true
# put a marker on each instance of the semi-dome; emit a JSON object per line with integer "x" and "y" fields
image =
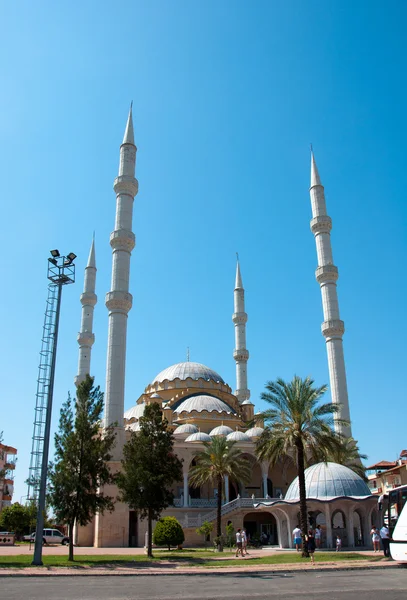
{"x": 238, "y": 436}
{"x": 327, "y": 480}
{"x": 188, "y": 428}
{"x": 203, "y": 402}
{"x": 135, "y": 412}
{"x": 199, "y": 437}
{"x": 254, "y": 432}
{"x": 221, "y": 430}
{"x": 185, "y": 370}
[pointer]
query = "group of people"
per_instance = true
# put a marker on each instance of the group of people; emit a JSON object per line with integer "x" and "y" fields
{"x": 241, "y": 542}
{"x": 312, "y": 540}
{"x": 382, "y": 535}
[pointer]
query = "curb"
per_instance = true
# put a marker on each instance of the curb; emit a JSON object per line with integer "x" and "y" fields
{"x": 203, "y": 573}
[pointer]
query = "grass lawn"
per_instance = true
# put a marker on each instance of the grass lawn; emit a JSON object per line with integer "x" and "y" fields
{"x": 197, "y": 558}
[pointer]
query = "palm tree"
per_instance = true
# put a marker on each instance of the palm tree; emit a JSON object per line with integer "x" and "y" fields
{"x": 347, "y": 453}
{"x": 297, "y": 425}
{"x": 218, "y": 459}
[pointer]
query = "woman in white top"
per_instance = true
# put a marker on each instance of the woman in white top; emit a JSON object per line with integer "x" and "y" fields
{"x": 375, "y": 539}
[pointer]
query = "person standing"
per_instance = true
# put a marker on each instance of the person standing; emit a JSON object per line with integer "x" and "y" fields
{"x": 239, "y": 547}
{"x": 318, "y": 536}
{"x": 310, "y": 539}
{"x": 244, "y": 542}
{"x": 374, "y": 532}
{"x": 338, "y": 543}
{"x": 297, "y": 538}
{"x": 385, "y": 536}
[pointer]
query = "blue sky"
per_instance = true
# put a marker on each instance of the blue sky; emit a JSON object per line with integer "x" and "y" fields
{"x": 227, "y": 98}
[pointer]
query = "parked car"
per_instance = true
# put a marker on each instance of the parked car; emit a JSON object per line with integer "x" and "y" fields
{"x": 50, "y": 536}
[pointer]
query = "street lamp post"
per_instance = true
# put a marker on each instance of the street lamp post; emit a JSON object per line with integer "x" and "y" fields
{"x": 61, "y": 271}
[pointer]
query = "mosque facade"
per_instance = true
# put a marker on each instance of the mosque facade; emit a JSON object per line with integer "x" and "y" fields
{"x": 199, "y": 405}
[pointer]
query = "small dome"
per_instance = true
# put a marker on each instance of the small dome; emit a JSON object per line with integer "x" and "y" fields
{"x": 156, "y": 397}
{"x": 246, "y": 402}
{"x": 187, "y": 370}
{"x": 238, "y": 436}
{"x": 203, "y": 402}
{"x": 188, "y": 428}
{"x": 327, "y": 480}
{"x": 199, "y": 437}
{"x": 221, "y": 430}
{"x": 133, "y": 426}
{"x": 135, "y": 412}
{"x": 254, "y": 432}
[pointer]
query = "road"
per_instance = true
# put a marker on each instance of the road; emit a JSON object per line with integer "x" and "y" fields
{"x": 390, "y": 584}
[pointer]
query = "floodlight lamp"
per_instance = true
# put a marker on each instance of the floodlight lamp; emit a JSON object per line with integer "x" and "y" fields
{"x": 55, "y": 253}
{"x": 71, "y": 256}
{"x": 53, "y": 261}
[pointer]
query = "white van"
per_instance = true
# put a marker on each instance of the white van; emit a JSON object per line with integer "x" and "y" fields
{"x": 50, "y": 536}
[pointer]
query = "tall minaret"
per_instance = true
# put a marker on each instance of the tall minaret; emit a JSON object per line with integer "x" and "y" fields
{"x": 118, "y": 300}
{"x": 86, "y": 337}
{"x": 327, "y": 274}
{"x": 240, "y": 354}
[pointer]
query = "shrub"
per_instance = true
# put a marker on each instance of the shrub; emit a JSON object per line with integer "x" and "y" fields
{"x": 168, "y": 532}
{"x": 205, "y": 529}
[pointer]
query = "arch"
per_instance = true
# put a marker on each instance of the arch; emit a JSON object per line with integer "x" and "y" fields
{"x": 269, "y": 487}
{"x": 358, "y": 528}
{"x": 338, "y": 524}
{"x": 261, "y": 525}
{"x": 283, "y": 525}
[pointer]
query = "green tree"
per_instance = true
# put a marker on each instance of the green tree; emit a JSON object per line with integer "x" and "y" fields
{"x": 205, "y": 529}
{"x": 82, "y": 453}
{"x": 149, "y": 468}
{"x": 347, "y": 453}
{"x": 218, "y": 459}
{"x": 16, "y": 518}
{"x": 297, "y": 425}
{"x": 168, "y": 532}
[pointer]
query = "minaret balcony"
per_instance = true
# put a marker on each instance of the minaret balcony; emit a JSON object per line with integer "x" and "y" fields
{"x": 326, "y": 273}
{"x": 122, "y": 239}
{"x": 239, "y": 318}
{"x": 119, "y": 301}
{"x": 333, "y": 329}
{"x": 86, "y": 338}
{"x": 241, "y": 355}
{"x": 88, "y": 299}
{"x": 322, "y": 224}
{"x": 126, "y": 184}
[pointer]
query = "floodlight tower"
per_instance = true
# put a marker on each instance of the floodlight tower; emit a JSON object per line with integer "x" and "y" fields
{"x": 61, "y": 271}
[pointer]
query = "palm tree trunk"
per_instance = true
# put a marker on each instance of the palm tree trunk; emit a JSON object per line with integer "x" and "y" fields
{"x": 70, "y": 533}
{"x": 150, "y": 534}
{"x": 303, "y": 495}
{"x": 219, "y": 508}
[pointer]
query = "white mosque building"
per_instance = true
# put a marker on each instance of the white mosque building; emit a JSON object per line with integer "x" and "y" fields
{"x": 199, "y": 405}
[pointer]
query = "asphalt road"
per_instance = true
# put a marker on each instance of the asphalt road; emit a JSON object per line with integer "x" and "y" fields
{"x": 389, "y": 584}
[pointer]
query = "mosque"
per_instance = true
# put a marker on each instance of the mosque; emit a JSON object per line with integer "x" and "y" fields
{"x": 200, "y": 405}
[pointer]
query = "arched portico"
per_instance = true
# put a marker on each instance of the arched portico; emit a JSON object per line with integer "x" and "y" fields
{"x": 261, "y": 524}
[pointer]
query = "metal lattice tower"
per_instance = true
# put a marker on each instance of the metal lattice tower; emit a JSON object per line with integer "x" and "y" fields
{"x": 61, "y": 271}
{"x": 41, "y": 397}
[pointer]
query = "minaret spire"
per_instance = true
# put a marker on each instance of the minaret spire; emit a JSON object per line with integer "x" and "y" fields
{"x": 327, "y": 274}
{"x": 88, "y": 299}
{"x": 119, "y": 300}
{"x": 240, "y": 354}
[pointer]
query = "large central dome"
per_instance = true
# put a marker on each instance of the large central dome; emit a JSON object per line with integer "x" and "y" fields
{"x": 185, "y": 370}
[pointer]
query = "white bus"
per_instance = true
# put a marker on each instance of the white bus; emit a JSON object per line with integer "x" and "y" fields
{"x": 398, "y": 523}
